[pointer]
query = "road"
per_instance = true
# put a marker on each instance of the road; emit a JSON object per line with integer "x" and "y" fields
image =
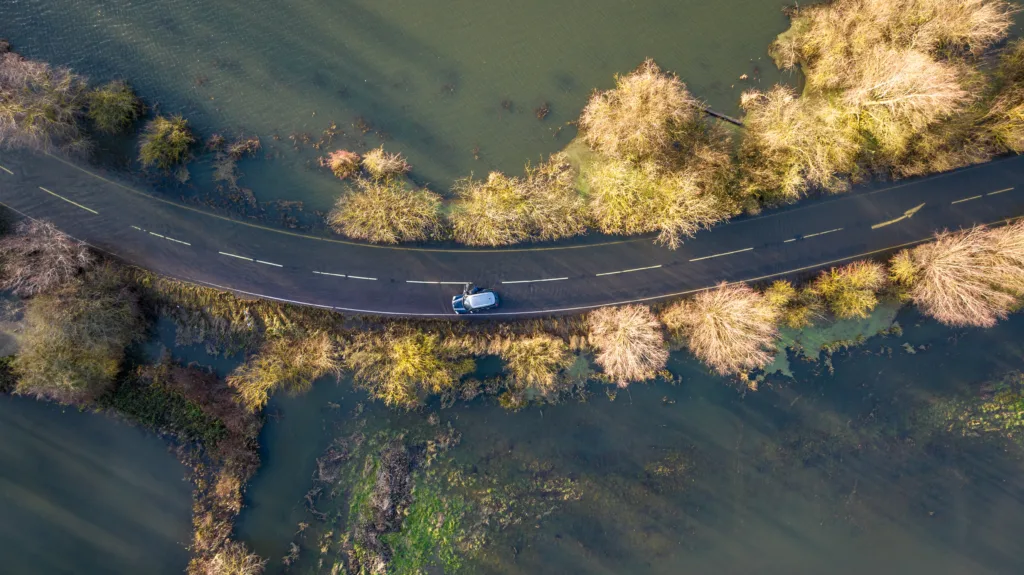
{"x": 196, "y": 246}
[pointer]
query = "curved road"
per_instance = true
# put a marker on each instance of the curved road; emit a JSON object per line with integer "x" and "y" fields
{"x": 197, "y": 246}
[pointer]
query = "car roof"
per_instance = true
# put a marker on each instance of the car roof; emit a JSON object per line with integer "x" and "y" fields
{"x": 481, "y": 299}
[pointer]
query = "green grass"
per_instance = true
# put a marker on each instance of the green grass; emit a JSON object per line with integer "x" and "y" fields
{"x": 156, "y": 407}
{"x": 429, "y": 534}
{"x": 165, "y": 142}
{"x": 113, "y": 107}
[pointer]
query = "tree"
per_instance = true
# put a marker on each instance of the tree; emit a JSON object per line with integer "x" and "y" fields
{"x": 386, "y": 212}
{"x": 731, "y": 328}
{"x": 114, "y": 107}
{"x": 629, "y": 343}
{"x": 536, "y": 361}
{"x": 165, "y": 142}
{"x": 851, "y": 291}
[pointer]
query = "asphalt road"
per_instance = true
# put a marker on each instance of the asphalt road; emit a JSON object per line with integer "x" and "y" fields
{"x": 196, "y": 246}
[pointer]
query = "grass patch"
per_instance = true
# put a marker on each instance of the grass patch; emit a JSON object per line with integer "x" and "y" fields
{"x": 387, "y": 212}
{"x": 114, "y": 107}
{"x": 166, "y": 142}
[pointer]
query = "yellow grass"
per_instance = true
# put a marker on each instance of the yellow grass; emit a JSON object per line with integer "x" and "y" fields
{"x": 290, "y": 362}
{"x": 629, "y": 343}
{"x": 851, "y": 291}
{"x": 386, "y": 212}
{"x": 342, "y": 163}
{"x": 536, "y": 361}
{"x": 731, "y": 328}
{"x": 382, "y": 165}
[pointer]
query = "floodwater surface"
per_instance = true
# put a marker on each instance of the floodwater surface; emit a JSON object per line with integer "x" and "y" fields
{"x": 455, "y": 86}
{"x": 848, "y": 473}
{"x": 81, "y": 493}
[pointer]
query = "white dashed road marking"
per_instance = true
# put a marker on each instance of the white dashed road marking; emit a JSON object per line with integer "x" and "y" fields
{"x": 69, "y": 201}
{"x": 721, "y": 255}
{"x": 808, "y": 236}
{"x": 362, "y": 278}
{"x": 269, "y": 264}
{"x": 329, "y": 274}
{"x": 6, "y": 170}
{"x": 236, "y": 256}
{"x": 965, "y": 200}
{"x": 435, "y": 283}
{"x": 629, "y": 271}
{"x": 535, "y": 281}
{"x": 999, "y": 192}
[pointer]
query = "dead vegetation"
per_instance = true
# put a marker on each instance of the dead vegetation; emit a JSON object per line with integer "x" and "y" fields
{"x": 381, "y": 165}
{"x": 387, "y": 212}
{"x": 628, "y": 342}
{"x": 291, "y": 362}
{"x": 731, "y": 328}
{"x": 41, "y": 106}
{"x": 38, "y": 258}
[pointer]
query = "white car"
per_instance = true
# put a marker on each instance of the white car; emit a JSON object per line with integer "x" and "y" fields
{"x": 474, "y": 299}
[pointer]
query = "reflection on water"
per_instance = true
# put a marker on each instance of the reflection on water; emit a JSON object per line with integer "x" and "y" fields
{"x": 82, "y": 493}
{"x": 441, "y": 81}
{"x": 821, "y": 474}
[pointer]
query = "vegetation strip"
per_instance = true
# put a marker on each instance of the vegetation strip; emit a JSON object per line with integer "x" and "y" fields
{"x": 69, "y": 201}
{"x": 721, "y": 255}
{"x": 629, "y": 271}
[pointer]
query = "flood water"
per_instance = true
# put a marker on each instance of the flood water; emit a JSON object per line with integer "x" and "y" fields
{"x": 83, "y": 493}
{"x": 844, "y": 473}
{"x": 441, "y": 82}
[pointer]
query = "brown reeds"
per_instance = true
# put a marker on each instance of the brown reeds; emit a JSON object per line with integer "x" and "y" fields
{"x": 629, "y": 343}
{"x": 38, "y": 258}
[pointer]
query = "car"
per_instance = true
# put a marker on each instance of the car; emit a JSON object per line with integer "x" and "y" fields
{"x": 474, "y": 299}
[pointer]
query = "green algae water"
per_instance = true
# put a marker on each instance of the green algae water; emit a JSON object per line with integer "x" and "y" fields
{"x": 864, "y": 470}
{"x": 455, "y": 86}
{"x": 83, "y": 493}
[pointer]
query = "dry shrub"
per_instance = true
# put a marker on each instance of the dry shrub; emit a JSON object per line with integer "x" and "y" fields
{"x": 504, "y": 210}
{"x": 342, "y": 163}
{"x": 630, "y": 199}
{"x": 399, "y": 366}
{"x": 792, "y": 144}
{"x": 234, "y": 558}
{"x": 386, "y": 212}
{"x": 731, "y": 328}
{"x": 903, "y": 271}
{"x": 166, "y": 142}
{"x": 75, "y": 338}
{"x": 970, "y": 278}
{"x": 640, "y": 116}
{"x": 851, "y": 291}
{"x": 292, "y": 362}
{"x": 383, "y": 166}
{"x": 38, "y": 258}
{"x": 797, "y": 308}
{"x": 114, "y": 107}
{"x": 536, "y": 361}
{"x": 629, "y": 343}
{"x": 40, "y": 106}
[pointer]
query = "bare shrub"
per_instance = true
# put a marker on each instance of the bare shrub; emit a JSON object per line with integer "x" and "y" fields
{"x": 629, "y": 343}
{"x": 970, "y": 278}
{"x": 793, "y": 144}
{"x": 851, "y": 291}
{"x": 292, "y": 361}
{"x": 40, "y": 105}
{"x": 731, "y": 328}
{"x": 386, "y": 212}
{"x": 399, "y": 366}
{"x": 166, "y": 142}
{"x": 639, "y": 117}
{"x": 382, "y": 165}
{"x": 234, "y": 558}
{"x": 537, "y": 360}
{"x": 114, "y": 107}
{"x": 342, "y": 163}
{"x": 38, "y": 258}
{"x": 503, "y": 210}
{"x": 633, "y": 199}
{"x": 75, "y": 338}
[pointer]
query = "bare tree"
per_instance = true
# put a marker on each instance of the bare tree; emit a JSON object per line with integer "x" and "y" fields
{"x": 40, "y": 105}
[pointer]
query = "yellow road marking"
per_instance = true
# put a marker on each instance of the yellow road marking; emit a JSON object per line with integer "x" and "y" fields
{"x": 629, "y": 271}
{"x": 6, "y": 170}
{"x": 907, "y": 214}
{"x": 999, "y": 192}
{"x": 964, "y": 200}
{"x": 69, "y": 201}
{"x": 720, "y": 255}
